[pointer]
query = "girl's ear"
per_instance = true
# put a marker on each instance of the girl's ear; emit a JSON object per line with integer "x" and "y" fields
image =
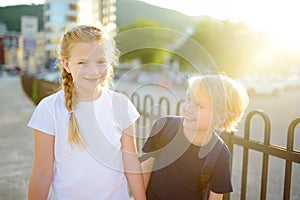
{"x": 65, "y": 64}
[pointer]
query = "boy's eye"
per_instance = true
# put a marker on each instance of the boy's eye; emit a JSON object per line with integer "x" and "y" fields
{"x": 102, "y": 62}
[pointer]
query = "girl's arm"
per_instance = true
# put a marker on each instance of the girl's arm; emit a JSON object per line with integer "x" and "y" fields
{"x": 42, "y": 169}
{"x": 215, "y": 196}
{"x": 132, "y": 165}
{"x": 147, "y": 167}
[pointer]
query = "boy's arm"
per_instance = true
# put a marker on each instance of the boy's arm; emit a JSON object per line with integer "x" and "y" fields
{"x": 215, "y": 196}
{"x": 42, "y": 169}
{"x": 132, "y": 166}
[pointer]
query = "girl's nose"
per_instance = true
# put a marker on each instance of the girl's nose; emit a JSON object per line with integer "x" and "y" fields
{"x": 97, "y": 69}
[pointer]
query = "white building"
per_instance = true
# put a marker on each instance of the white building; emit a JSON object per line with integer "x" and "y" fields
{"x": 58, "y": 14}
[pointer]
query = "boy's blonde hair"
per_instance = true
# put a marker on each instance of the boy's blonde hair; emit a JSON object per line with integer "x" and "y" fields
{"x": 229, "y": 99}
{"x": 81, "y": 34}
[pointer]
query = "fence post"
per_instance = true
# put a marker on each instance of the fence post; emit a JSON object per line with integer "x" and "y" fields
{"x": 246, "y": 154}
{"x": 288, "y": 163}
{"x": 145, "y": 114}
{"x": 265, "y": 164}
{"x": 178, "y": 107}
{"x": 161, "y": 100}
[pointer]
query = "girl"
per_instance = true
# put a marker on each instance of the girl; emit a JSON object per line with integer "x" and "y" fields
{"x": 84, "y": 134}
{"x": 176, "y": 169}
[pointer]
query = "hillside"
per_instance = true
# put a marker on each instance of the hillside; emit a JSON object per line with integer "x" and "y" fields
{"x": 130, "y": 10}
{"x": 127, "y": 12}
{"x": 11, "y": 15}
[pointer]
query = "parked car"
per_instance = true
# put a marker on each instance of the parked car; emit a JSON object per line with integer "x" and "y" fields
{"x": 292, "y": 82}
{"x": 262, "y": 85}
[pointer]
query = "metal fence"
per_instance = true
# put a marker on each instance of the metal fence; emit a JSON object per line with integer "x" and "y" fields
{"x": 286, "y": 153}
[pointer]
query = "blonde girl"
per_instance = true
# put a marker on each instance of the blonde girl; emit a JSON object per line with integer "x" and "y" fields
{"x": 84, "y": 134}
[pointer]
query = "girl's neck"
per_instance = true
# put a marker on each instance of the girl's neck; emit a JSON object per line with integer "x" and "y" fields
{"x": 90, "y": 96}
{"x": 196, "y": 137}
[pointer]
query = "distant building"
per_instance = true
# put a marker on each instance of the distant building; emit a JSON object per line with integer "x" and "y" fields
{"x": 40, "y": 54}
{"x": 9, "y": 50}
{"x": 108, "y": 14}
{"x": 29, "y": 30}
{"x": 3, "y": 29}
{"x": 95, "y": 11}
{"x": 58, "y": 14}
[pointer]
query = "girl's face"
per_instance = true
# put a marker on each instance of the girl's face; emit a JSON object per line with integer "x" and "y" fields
{"x": 88, "y": 66}
{"x": 197, "y": 115}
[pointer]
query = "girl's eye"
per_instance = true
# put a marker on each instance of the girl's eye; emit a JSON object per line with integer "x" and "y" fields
{"x": 82, "y": 63}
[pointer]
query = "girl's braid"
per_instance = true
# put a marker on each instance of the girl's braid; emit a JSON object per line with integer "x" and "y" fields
{"x": 70, "y": 103}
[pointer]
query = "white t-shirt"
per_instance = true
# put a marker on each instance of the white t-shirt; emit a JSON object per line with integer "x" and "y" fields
{"x": 95, "y": 171}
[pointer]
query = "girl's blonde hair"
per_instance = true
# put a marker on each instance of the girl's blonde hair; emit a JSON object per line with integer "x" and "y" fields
{"x": 229, "y": 99}
{"x": 74, "y": 35}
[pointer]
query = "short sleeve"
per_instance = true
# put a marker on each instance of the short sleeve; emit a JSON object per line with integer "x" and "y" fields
{"x": 124, "y": 111}
{"x": 221, "y": 179}
{"x": 162, "y": 132}
{"x": 151, "y": 142}
{"x": 42, "y": 118}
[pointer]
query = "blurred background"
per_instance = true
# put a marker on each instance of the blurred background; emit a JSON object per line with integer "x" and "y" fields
{"x": 254, "y": 41}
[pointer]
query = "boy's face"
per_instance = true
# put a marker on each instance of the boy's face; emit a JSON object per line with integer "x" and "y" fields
{"x": 88, "y": 65}
{"x": 197, "y": 115}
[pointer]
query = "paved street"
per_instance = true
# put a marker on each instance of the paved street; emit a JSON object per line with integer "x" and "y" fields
{"x": 16, "y": 141}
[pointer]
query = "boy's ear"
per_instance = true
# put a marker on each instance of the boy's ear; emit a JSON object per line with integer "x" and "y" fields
{"x": 65, "y": 64}
{"x": 222, "y": 119}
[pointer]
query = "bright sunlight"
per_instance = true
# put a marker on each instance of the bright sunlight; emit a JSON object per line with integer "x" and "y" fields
{"x": 278, "y": 18}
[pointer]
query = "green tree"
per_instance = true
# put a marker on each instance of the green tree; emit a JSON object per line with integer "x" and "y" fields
{"x": 144, "y": 40}
{"x": 231, "y": 45}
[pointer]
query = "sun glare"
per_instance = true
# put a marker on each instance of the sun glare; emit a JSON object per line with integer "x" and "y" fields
{"x": 87, "y": 12}
{"x": 278, "y": 18}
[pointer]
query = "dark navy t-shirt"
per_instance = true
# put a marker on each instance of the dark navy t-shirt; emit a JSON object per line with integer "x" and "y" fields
{"x": 178, "y": 178}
